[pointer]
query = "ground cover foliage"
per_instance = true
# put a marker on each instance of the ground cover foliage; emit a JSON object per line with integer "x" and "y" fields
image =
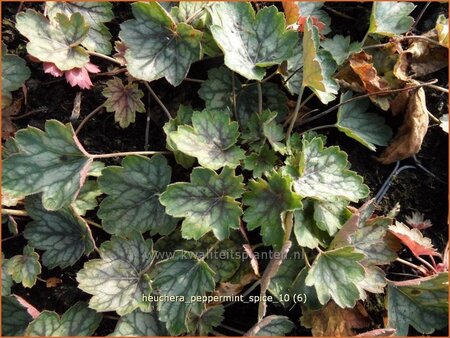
{"x": 191, "y": 172}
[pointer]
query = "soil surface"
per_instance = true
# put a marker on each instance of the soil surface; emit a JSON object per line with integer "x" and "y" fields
{"x": 413, "y": 189}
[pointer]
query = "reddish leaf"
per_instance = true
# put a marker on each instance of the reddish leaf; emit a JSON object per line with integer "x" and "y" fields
{"x": 413, "y": 239}
{"x": 316, "y": 22}
{"x": 291, "y": 11}
{"x": 32, "y": 311}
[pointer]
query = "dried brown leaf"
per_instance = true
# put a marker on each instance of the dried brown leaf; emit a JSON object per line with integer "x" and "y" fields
{"x": 409, "y": 138}
{"x": 8, "y": 127}
{"x": 52, "y": 282}
{"x": 333, "y": 321}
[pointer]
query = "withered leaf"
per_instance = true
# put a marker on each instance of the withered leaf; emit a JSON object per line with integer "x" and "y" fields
{"x": 409, "y": 138}
{"x": 8, "y": 127}
{"x": 333, "y": 321}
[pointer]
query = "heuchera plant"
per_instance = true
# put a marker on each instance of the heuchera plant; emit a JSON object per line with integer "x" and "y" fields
{"x": 254, "y": 179}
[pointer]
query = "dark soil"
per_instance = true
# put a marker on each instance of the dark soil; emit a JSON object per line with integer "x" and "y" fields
{"x": 415, "y": 190}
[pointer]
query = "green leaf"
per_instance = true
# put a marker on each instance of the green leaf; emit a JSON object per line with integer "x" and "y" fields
{"x": 63, "y": 234}
{"x": 185, "y": 276}
{"x": 217, "y": 92}
{"x": 95, "y": 14}
{"x": 78, "y": 320}
{"x": 306, "y": 231}
{"x": 271, "y": 326}
{"x": 58, "y": 41}
{"x": 391, "y": 18}
{"x": 87, "y": 198}
{"x": 299, "y": 287}
{"x": 323, "y": 174}
{"x": 139, "y": 323}
{"x": 202, "y": 323}
{"x": 442, "y": 29}
{"x": 123, "y": 100}
{"x": 266, "y": 200}
{"x": 330, "y": 216}
{"x": 335, "y": 274}
{"x": 211, "y": 139}
{"x": 366, "y": 128}
{"x": 117, "y": 281}
{"x": 52, "y": 162}
{"x": 421, "y": 303}
{"x": 251, "y": 42}
{"x": 14, "y": 72}
{"x": 7, "y": 281}
{"x": 318, "y": 66}
{"x": 340, "y": 48}
{"x": 25, "y": 268}
{"x": 221, "y": 253}
{"x": 273, "y": 131}
{"x": 184, "y": 116}
{"x": 133, "y": 190}
{"x": 308, "y": 8}
{"x": 157, "y": 46}
{"x": 260, "y": 162}
{"x": 15, "y": 317}
{"x": 207, "y": 203}
{"x": 188, "y": 9}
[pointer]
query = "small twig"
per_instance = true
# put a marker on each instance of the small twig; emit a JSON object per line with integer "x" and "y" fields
{"x": 113, "y": 72}
{"x": 94, "y": 224}
{"x": 147, "y": 125}
{"x": 422, "y": 12}
{"x": 217, "y": 334}
{"x": 305, "y": 101}
{"x": 14, "y": 212}
{"x": 163, "y": 107}
{"x": 34, "y": 111}
{"x": 275, "y": 73}
{"x": 194, "y": 80}
{"x": 11, "y": 237}
{"x": 260, "y": 98}
{"x": 421, "y": 38}
{"x": 420, "y": 166}
{"x": 306, "y": 258}
{"x": 295, "y": 114}
{"x": 88, "y": 117}
{"x": 127, "y": 153}
{"x": 106, "y": 57}
{"x": 338, "y": 13}
{"x": 233, "y": 93}
{"x": 359, "y": 97}
{"x": 441, "y": 89}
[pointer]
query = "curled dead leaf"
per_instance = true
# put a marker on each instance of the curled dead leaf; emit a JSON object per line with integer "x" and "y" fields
{"x": 8, "y": 127}
{"x": 421, "y": 58}
{"x": 333, "y": 321}
{"x": 408, "y": 140}
{"x": 52, "y": 282}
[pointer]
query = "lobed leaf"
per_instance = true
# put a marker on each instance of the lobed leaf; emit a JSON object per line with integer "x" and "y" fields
{"x": 421, "y": 303}
{"x": 7, "y": 281}
{"x": 340, "y": 47}
{"x": 202, "y": 323}
{"x": 157, "y": 46}
{"x": 182, "y": 275}
{"x": 57, "y": 41}
{"x": 15, "y": 317}
{"x": 335, "y": 275}
{"x": 271, "y": 326}
{"x": 133, "y": 190}
{"x": 123, "y": 100}
{"x": 366, "y": 128}
{"x": 306, "y": 231}
{"x": 25, "y": 268}
{"x": 95, "y": 14}
{"x": 62, "y": 234}
{"x": 266, "y": 200}
{"x": 52, "y": 162}
{"x": 87, "y": 198}
{"x": 78, "y": 320}
{"x": 251, "y": 42}
{"x": 138, "y": 323}
{"x": 323, "y": 174}
{"x": 211, "y": 139}
{"x": 207, "y": 203}
{"x": 117, "y": 281}
{"x": 391, "y": 18}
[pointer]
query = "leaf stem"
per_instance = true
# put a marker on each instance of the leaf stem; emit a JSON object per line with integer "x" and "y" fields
{"x": 412, "y": 265}
{"x": 232, "y": 329}
{"x": 233, "y": 93}
{"x": 320, "y": 127}
{"x": 270, "y": 76}
{"x": 158, "y": 100}
{"x": 103, "y": 56}
{"x": 127, "y": 153}
{"x": 306, "y": 258}
{"x": 11, "y": 237}
{"x": 198, "y": 12}
{"x": 422, "y": 12}
{"x": 355, "y": 98}
{"x": 418, "y": 37}
{"x": 275, "y": 263}
{"x": 441, "y": 89}
{"x": 94, "y": 224}
{"x": 295, "y": 114}
{"x": 14, "y": 212}
{"x": 189, "y": 79}
{"x": 88, "y": 117}
{"x": 427, "y": 264}
{"x": 260, "y": 98}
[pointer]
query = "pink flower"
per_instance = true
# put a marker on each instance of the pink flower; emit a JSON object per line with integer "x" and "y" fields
{"x": 76, "y": 76}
